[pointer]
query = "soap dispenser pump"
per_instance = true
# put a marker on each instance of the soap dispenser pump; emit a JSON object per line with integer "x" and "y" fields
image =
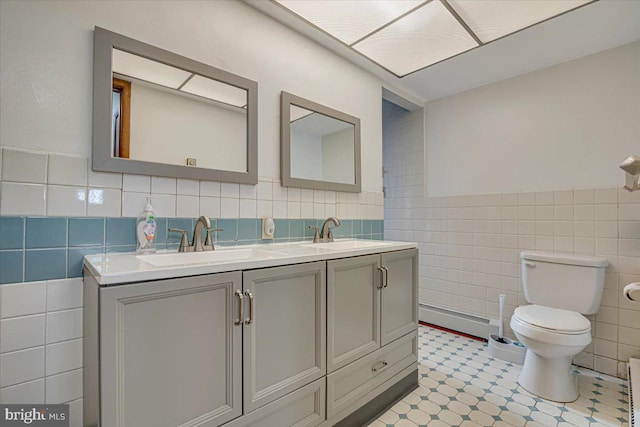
{"x": 146, "y": 230}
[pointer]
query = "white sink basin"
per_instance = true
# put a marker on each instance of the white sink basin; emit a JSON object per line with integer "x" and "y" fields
{"x": 348, "y": 244}
{"x": 208, "y": 257}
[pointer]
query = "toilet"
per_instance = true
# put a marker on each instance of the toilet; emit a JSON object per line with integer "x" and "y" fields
{"x": 560, "y": 288}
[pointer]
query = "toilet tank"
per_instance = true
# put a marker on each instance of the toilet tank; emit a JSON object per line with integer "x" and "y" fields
{"x": 567, "y": 282}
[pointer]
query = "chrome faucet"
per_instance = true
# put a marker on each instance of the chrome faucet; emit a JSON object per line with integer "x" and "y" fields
{"x": 203, "y": 223}
{"x": 326, "y": 235}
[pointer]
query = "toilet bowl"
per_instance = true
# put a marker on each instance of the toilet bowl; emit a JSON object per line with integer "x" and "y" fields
{"x": 552, "y": 337}
{"x": 560, "y": 288}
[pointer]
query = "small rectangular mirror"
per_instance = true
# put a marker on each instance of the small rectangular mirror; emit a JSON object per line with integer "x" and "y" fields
{"x": 158, "y": 113}
{"x": 320, "y": 146}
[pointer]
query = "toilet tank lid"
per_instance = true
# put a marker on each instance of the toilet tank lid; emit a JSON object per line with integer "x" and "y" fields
{"x": 588, "y": 261}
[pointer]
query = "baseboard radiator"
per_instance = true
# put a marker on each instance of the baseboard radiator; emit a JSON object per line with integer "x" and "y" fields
{"x": 634, "y": 392}
{"x": 461, "y": 322}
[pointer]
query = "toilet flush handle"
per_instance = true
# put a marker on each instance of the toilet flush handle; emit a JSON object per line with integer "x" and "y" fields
{"x": 530, "y": 264}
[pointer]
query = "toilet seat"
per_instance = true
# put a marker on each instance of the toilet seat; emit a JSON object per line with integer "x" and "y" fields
{"x": 553, "y": 319}
{"x": 551, "y": 325}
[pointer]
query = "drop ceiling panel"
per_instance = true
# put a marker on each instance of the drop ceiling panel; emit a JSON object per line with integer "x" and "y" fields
{"x": 150, "y": 71}
{"x": 422, "y": 38}
{"x": 492, "y": 19}
{"x": 349, "y": 21}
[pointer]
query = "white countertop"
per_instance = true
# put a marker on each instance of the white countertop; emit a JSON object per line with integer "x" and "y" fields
{"x": 117, "y": 268}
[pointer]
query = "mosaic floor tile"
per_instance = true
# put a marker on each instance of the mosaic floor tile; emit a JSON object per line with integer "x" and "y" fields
{"x": 461, "y": 385}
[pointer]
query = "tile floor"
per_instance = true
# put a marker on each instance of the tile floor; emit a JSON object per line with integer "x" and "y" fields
{"x": 461, "y": 385}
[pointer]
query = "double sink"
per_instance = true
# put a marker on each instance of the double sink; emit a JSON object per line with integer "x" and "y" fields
{"x": 255, "y": 253}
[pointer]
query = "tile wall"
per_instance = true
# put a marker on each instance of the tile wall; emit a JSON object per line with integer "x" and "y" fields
{"x": 470, "y": 246}
{"x": 54, "y": 210}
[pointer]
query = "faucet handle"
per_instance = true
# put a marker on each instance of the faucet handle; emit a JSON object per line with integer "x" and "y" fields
{"x": 316, "y": 235}
{"x": 184, "y": 241}
{"x": 208, "y": 243}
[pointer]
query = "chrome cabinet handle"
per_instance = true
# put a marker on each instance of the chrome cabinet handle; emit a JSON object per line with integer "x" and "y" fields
{"x": 386, "y": 276}
{"x": 379, "y": 367}
{"x": 381, "y": 284}
{"x": 240, "y": 318}
{"x": 249, "y": 319}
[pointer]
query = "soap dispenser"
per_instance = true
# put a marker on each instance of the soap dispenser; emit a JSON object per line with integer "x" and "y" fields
{"x": 146, "y": 230}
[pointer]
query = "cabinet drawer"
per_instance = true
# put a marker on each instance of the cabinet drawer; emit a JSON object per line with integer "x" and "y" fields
{"x": 304, "y": 407}
{"x": 346, "y": 385}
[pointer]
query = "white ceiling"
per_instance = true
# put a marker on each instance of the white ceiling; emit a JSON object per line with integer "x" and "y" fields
{"x": 589, "y": 29}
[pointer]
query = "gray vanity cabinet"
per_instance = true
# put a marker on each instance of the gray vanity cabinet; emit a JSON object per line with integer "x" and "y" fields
{"x": 284, "y": 340}
{"x": 371, "y": 301}
{"x": 172, "y": 352}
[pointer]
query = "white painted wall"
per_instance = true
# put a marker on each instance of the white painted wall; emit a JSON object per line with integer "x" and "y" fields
{"x": 567, "y": 126}
{"x": 46, "y": 82}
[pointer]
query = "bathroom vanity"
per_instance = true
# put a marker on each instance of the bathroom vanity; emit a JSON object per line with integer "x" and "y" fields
{"x": 268, "y": 335}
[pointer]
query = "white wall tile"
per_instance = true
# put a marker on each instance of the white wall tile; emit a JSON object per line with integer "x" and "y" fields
{"x": 293, "y": 195}
{"x": 104, "y": 202}
{"x": 606, "y": 195}
{"x": 22, "y": 332}
{"x": 64, "y": 294}
{"x": 164, "y": 205}
{"x": 21, "y": 366}
{"x": 265, "y": 209}
{"x": 210, "y": 206}
{"x": 133, "y": 203}
{"x": 188, "y": 187}
{"x": 230, "y": 190}
{"x": 22, "y": 199}
{"x": 248, "y": 191}
{"x": 248, "y": 208}
{"x": 64, "y": 387}
{"x": 63, "y": 356}
{"x": 306, "y": 210}
{"x": 32, "y": 392}
{"x": 209, "y": 188}
{"x": 265, "y": 190}
{"x": 279, "y": 209}
{"x": 187, "y": 206}
{"x": 24, "y": 166}
{"x": 67, "y": 170}
{"x": 66, "y": 201}
{"x": 64, "y": 325}
{"x": 104, "y": 179}
{"x": 229, "y": 208}
{"x": 76, "y": 413}
{"x": 293, "y": 210}
{"x": 629, "y": 212}
{"x": 136, "y": 183}
{"x": 279, "y": 193}
{"x": 21, "y": 299}
{"x": 163, "y": 185}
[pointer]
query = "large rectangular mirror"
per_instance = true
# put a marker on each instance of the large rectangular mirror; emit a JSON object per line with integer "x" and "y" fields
{"x": 158, "y": 113}
{"x": 320, "y": 146}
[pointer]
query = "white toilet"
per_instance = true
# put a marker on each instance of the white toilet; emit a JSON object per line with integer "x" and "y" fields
{"x": 560, "y": 288}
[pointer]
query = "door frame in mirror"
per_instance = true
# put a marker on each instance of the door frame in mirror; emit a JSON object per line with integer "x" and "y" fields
{"x": 102, "y": 160}
{"x": 288, "y": 99}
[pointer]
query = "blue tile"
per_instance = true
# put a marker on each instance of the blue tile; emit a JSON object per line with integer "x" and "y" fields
{"x": 296, "y": 229}
{"x": 45, "y": 264}
{"x": 161, "y": 231}
{"x": 377, "y": 226}
{"x": 248, "y": 229}
{"x": 86, "y": 231}
{"x": 345, "y": 229}
{"x": 47, "y": 232}
{"x": 74, "y": 259}
{"x": 356, "y": 229}
{"x": 181, "y": 224}
{"x": 377, "y": 237}
{"x": 120, "y": 231}
{"x": 11, "y": 232}
{"x": 230, "y": 230}
{"x": 366, "y": 227}
{"x": 123, "y": 248}
{"x": 11, "y": 266}
{"x": 282, "y": 228}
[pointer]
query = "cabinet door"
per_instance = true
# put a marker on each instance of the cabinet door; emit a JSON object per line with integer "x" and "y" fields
{"x": 284, "y": 343}
{"x": 170, "y": 352}
{"x": 399, "y": 295}
{"x": 353, "y": 309}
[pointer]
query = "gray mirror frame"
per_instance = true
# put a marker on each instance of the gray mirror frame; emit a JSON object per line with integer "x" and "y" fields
{"x": 287, "y": 99}
{"x": 104, "y": 42}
